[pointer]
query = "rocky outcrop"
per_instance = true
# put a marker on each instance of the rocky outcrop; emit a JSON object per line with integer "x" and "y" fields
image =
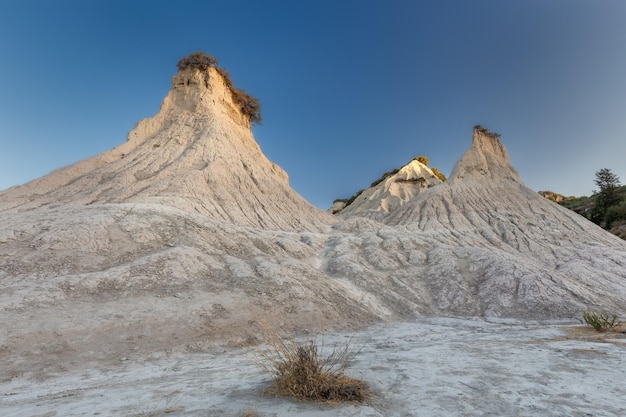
{"x": 486, "y": 160}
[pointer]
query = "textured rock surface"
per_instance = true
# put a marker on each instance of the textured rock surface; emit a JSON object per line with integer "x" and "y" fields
{"x": 459, "y": 367}
{"x": 186, "y": 236}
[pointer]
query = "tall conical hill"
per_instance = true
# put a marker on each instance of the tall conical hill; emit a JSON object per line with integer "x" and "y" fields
{"x": 197, "y": 154}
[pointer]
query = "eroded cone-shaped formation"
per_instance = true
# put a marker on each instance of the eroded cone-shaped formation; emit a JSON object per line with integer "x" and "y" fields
{"x": 197, "y": 154}
{"x": 181, "y": 238}
{"x": 187, "y": 236}
{"x": 484, "y": 244}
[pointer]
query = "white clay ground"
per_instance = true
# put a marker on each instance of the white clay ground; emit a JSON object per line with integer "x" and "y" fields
{"x": 430, "y": 367}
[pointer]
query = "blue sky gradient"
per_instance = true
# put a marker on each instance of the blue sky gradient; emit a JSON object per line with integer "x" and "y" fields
{"x": 349, "y": 89}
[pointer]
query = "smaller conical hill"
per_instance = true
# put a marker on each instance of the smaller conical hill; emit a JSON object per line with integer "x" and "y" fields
{"x": 390, "y": 192}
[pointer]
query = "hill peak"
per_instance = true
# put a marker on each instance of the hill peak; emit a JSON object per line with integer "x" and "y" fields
{"x": 487, "y": 158}
{"x": 199, "y": 75}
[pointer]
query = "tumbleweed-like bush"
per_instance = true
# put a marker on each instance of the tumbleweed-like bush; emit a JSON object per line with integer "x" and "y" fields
{"x": 300, "y": 372}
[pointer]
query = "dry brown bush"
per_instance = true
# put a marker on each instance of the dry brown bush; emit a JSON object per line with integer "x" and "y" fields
{"x": 300, "y": 373}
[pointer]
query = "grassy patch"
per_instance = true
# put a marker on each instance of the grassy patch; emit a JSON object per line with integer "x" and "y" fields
{"x": 600, "y": 322}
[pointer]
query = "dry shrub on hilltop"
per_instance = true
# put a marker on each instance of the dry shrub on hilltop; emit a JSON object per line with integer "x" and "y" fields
{"x": 248, "y": 104}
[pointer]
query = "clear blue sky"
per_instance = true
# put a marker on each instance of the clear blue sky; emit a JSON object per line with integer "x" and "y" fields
{"x": 349, "y": 89}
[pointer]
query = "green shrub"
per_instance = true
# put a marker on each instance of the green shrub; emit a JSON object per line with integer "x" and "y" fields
{"x": 600, "y": 322}
{"x": 614, "y": 214}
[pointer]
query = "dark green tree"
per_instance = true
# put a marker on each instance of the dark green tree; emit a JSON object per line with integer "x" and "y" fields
{"x": 606, "y": 196}
{"x": 614, "y": 214}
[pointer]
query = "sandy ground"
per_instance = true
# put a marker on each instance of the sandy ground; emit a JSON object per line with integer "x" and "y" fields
{"x": 431, "y": 367}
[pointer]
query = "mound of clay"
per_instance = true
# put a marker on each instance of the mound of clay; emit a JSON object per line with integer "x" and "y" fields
{"x": 186, "y": 236}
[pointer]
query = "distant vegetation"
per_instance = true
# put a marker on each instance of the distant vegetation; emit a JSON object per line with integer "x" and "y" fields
{"x": 606, "y": 207}
{"x": 425, "y": 160}
{"x": 438, "y": 174}
{"x": 350, "y": 200}
{"x": 556, "y": 197}
{"x": 248, "y": 104}
{"x": 486, "y": 131}
{"x": 383, "y": 177}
